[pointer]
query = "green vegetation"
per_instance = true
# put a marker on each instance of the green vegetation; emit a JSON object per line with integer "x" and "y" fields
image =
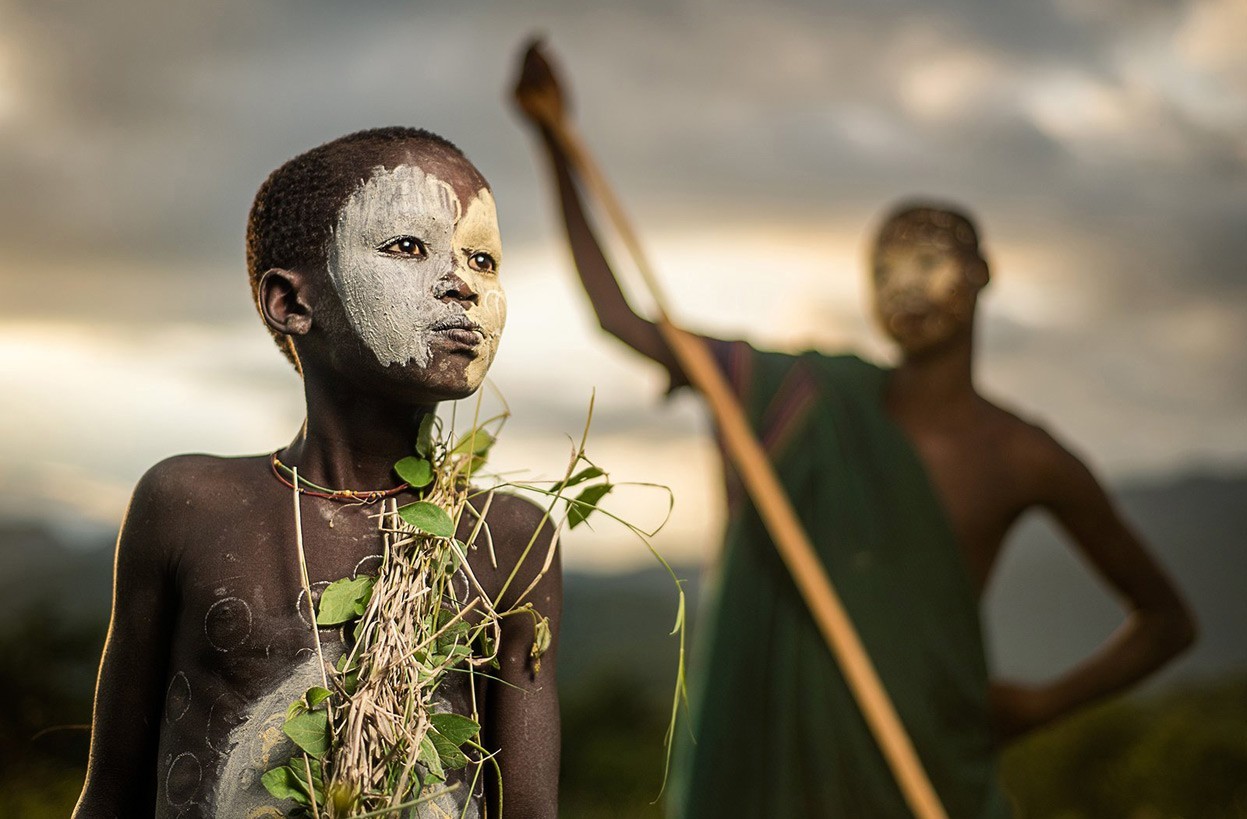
{"x": 45, "y": 682}
{"x": 1180, "y": 754}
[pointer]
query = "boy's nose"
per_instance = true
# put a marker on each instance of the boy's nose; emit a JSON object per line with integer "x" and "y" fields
{"x": 453, "y": 287}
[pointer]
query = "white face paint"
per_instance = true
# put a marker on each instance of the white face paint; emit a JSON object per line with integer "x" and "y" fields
{"x": 401, "y": 239}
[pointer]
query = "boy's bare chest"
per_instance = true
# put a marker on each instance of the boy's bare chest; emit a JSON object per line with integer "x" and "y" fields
{"x": 245, "y": 645}
{"x": 244, "y": 610}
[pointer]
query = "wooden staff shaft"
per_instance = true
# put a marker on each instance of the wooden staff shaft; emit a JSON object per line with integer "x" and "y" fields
{"x": 773, "y": 505}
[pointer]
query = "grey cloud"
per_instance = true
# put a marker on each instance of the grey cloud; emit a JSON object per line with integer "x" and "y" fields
{"x": 143, "y": 129}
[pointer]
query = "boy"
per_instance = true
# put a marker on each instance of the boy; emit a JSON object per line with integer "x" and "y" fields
{"x": 374, "y": 262}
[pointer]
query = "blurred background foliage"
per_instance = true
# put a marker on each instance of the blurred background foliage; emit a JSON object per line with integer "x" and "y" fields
{"x": 1177, "y": 752}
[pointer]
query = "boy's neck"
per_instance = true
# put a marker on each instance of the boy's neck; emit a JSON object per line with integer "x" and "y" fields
{"x": 351, "y": 440}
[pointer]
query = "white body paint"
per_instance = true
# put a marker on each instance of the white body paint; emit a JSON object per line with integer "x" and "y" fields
{"x": 258, "y": 744}
{"x": 394, "y": 301}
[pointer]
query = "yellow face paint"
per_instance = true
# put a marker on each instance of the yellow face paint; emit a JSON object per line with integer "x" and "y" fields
{"x": 476, "y": 234}
{"x": 922, "y": 293}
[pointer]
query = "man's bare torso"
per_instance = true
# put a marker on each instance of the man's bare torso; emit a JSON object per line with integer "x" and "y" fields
{"x": 987, "y": 468}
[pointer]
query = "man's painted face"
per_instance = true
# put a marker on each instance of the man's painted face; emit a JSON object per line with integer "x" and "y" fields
{"x": 922, "y": 293}
{"x": 417, "y": 272}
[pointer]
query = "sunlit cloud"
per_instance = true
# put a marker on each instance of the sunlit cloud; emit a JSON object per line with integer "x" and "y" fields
{"x": 1211, "y": 40}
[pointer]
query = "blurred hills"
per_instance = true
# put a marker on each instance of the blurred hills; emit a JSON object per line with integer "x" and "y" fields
{"x": 1043, "y": 610}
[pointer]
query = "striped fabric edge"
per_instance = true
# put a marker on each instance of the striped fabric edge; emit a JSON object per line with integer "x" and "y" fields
{"x": 781, "y": 420}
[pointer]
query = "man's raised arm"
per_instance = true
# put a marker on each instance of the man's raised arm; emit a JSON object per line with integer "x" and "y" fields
{"x": 540, "y": 98}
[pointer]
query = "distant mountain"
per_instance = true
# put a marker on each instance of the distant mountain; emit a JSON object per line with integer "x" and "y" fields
{"x": 66, "y": 576}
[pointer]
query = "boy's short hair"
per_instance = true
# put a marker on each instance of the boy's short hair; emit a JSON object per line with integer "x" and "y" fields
{"x": 291, "y": 221}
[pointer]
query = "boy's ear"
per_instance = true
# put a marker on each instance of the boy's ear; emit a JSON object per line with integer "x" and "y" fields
{"x": 284, "y": 302}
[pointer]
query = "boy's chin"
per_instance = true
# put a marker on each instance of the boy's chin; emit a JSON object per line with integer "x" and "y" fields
{"x": 442, "y": 380}
{"x": 448, "y": 376}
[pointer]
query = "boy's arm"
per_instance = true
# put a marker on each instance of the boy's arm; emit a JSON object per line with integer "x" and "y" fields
{"x": 1158, "y": 625}
{"x": 129, "y": 697}
{"x": 522, "y": 712}
{"x": 540, "y": 99}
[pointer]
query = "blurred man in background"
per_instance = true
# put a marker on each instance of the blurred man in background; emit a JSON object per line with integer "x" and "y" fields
{"x": 907, "y": 481}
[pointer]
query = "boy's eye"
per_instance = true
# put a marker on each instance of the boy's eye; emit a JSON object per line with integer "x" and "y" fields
{"x": 404, "y": 246}
{"x": 482, "y": 262}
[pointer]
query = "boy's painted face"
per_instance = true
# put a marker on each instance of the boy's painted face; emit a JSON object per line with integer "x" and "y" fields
{"x": 922, "y": 293}
{"x": 417, "y": 272}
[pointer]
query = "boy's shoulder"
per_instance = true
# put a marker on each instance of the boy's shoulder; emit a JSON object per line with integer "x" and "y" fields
{"x": 521, "y": 539}
{"x": 514, "y": 512}
{"x": 183, "y": 487}
{"x": 515, "y": 521}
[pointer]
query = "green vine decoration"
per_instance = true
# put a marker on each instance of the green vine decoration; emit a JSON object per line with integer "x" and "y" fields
{"x": 369, "y": 741}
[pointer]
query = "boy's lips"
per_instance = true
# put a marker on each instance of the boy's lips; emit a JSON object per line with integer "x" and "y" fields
{"x": 460, "y": 329}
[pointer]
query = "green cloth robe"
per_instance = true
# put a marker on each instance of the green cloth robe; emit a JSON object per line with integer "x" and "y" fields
{"x": 777, "y": 732}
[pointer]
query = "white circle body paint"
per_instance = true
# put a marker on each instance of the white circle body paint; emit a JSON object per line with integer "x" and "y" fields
{"x": 394, "y": 301}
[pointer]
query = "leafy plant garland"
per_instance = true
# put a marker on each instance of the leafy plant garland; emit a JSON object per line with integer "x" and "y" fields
{"x": 369, "y": 742}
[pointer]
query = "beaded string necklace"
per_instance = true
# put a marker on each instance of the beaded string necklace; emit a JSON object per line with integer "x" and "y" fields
{"x": 303, "y": 486}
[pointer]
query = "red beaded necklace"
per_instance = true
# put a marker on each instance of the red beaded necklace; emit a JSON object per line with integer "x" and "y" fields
{"x": 306, "y": 487}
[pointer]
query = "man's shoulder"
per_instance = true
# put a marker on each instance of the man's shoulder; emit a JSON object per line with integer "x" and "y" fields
{"x": 1028, "y": 446}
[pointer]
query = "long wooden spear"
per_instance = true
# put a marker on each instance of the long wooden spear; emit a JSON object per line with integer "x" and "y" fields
{"x": 759, "y": 479}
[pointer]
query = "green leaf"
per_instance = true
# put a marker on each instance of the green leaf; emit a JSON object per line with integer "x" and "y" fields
{"x": 316, "y": 695}
{"x": 431, "y": 759}
{"x": 476, "y": 442}
{"x": 428, "y": 517}
{"x": 295, "y": 708}
{"x": 586, "y": 474}
{"x": 424, "y": 438}
{"x": 585, "y": 504}
{"x": 541, "y": 637}
{"x": 300, "y": 770}
{"x": 453, "y": 634}
{"x": 448, "y": 753}
{"x": 541, "y": 642}
{"x": 489, "y": 648}
{"x": 455, "y": 727}
{"x": 344, "y": 600}
{"x": 456, "y": 653}
{"x": 417, "y": 472}
{"x": 309, "y": 731}
{"x": 283, "y": 784}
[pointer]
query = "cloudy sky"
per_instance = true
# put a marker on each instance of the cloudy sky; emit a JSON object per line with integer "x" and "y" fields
{"x": 1101, "y": 143}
